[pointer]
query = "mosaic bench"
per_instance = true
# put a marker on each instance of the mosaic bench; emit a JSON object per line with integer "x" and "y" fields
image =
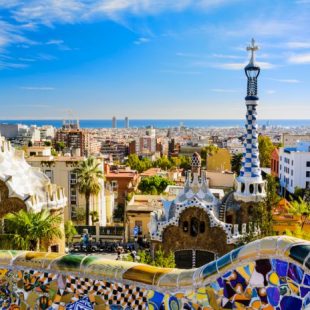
{"x": 271, "y": 273}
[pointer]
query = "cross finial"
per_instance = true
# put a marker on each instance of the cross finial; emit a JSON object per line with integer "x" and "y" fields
{"x": 253, "y": 48}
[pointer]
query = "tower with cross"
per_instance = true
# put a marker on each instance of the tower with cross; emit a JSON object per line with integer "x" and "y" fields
{"x": 250, "y": 185}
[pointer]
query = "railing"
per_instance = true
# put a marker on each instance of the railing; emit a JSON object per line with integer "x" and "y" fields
{"x": 103, "y": 230}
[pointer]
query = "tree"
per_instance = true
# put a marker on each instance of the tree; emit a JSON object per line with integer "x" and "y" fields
{"x": 94, "y": 217}
{"x": 265, "y": 147}
{"x": 300, "y": 208}
{"x": 135, "y": 163}
{"x": 88, "y": 180}
{"x": 154, "y": 185}
{"x": 206, "y": 152}
{"x": 31, "y": 229}
{"x": 161, "y": 259}
{"x": 163, "y": 163}
{"x": 70, "y": 231}
{"x": 236, "y": 162}
{"x": 186, "y": 163}
{"x": 119, "y": 212}
{"x": 60, "y": 146}
{"x": 47, "y": 143}
{"x": 262, "y": 213}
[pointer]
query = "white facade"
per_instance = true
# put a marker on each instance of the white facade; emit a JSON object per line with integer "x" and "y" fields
{"x": 294, "y": 167}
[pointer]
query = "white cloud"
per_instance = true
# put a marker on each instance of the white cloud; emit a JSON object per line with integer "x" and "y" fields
{"x": 270, "y": 92}
{"x": 142, "y": 40}
{"x": 289, "y": 81}
{"x": 12, "y": 65}
{"x": 240, "y": 66}
{"x": 299, "y": 59}
{"x": 297, "y": 44}
{"x": 49, "y": 12}
{"x": 55, "y": 42}
{"x": 43, "y": 88}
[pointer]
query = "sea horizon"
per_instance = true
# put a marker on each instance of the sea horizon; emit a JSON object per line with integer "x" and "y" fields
{"x": 162, "y": 123}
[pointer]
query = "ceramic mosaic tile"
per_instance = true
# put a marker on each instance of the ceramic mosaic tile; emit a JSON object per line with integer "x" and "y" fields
{"x": 276, "y": 277}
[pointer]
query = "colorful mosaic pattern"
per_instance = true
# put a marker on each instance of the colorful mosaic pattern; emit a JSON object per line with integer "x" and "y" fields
{"x": 272, "y": 273}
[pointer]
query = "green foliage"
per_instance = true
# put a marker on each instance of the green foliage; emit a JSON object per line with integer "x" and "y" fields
{"x": 31, "y": 229}
{"x": 300, "y": 208}
{"x": 47, "y": 143}
{"x": 236, "y": 161}
{"x": 54, "y": 152}
{"x": 160, "y": 258}
{"x": 265, "y": 147}
{"x": 80, "y": 215}
{"x": 206, "y": 152}
{"x": 70, "y": 231}
{"x": 262, "y": 212}
{"x": 135, "y": 163}
{"x": 154, "y": 185}
{"x": 60, "y": 146}
{"x": 163, "y": 260}
{"x": 94, "y": 217}
{"x": 88, "y": 180}
{"x": 185, "y": 162}
{"x": 298, "y": 233}
{"x": 164, "y": 163}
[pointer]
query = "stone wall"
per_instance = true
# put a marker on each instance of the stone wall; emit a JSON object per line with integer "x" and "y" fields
{"x": 213, "y": 239}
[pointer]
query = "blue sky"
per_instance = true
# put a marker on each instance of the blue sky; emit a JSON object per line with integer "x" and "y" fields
{"x": 152, "y": 58}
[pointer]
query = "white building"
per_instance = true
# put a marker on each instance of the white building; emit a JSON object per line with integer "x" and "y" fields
{"x": 294, "y": 167}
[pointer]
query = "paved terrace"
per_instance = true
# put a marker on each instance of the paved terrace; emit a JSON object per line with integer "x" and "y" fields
{"x": 271, "y": 273}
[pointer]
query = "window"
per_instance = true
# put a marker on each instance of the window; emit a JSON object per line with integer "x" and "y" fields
{"x": 308, "y": 163}
{"x": 292, "y": 172}
{"x": 307, "y": 184}
{"x": 251, "y": 188}
{"x": 308, "y": 174}
{"x": 49, "y": 174}
{"x": 194, "y": 227}
{"x": 292, "y": 183}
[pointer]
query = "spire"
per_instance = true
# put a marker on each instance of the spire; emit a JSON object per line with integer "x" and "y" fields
{"x": 250, "y": 182}
{"x": 252, "y": 72}
{"x": 253, "y": 48}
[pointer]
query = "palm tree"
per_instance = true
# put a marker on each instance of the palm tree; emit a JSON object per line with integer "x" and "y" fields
{"x": 30, "y": 229}
{"x": 88, "y": 177}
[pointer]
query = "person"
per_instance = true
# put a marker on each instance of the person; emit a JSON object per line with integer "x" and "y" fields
{"x": 134, "y": 255}
{"x": 119, "y": 251}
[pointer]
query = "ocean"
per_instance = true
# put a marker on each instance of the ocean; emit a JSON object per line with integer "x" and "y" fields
{"x": 165, "y": 123}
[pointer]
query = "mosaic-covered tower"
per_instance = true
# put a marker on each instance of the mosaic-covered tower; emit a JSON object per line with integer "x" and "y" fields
{"x": 250, "y": 185}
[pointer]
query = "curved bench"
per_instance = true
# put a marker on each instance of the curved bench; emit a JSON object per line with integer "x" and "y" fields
{"x": 271, "y": 273}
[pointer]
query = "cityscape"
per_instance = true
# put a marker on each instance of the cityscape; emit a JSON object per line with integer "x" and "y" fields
{"x": 170, "y": 194}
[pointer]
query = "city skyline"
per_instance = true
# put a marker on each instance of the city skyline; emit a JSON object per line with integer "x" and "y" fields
{"x": 151, "y": 59}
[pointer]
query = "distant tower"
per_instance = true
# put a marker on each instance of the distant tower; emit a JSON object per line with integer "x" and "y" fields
{"x": 113, "y": 122}
{"x": 196, "y": 163}
{"x": 126, "y": 122}
{"x": 250, "y": 185}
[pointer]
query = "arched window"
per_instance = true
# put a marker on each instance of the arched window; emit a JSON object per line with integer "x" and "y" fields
{"x": 185, "y": 226}
{"x": 194, "y": 227}
{"x": 251, "y": 188}
{"x": 260, "y": 188}
{"x": 242, "y": 187}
